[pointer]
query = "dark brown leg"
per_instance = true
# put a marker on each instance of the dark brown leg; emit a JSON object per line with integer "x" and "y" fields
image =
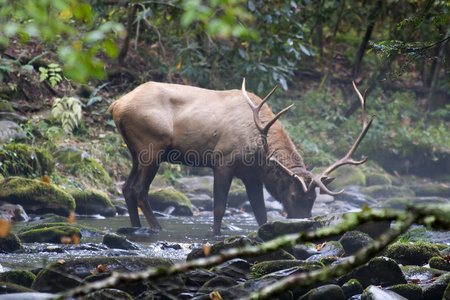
{"x": 222, "y": 183}
{"x": 130, "y": 200}
{"x": 255, "y": 195}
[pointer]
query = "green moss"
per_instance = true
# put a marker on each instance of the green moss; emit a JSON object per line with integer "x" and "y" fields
{"x": 83, "y": 228}
{"x": 79, "y": 164}
{"x": 348, "y": 176}
{"x": 328, "y": 291}
{"x": 410, "y": 291}
{"x": 439, "y": 263}
{"x": 432, "y": 189}
{"x": 161, "y": 199}
{"x": 425, "y": 273}
{"x": 378, "y": 179}
{"x": 5, "y": 106}
{"x": 54, "y": 234}
{"x": 328, "y": 260}
{"x": 36, "y": 196}
{"x": 10, "y": 243}
{"x": 266, "y": 267}
{"x": 412, "y": 253}
{"x": 352, "y": 287}
{"x": 386, "y": 191}
{"x": 91, "y": 202}
{"x": 12, "y": 288}
{"x": 24, "y": 160}
{"x": 24, "y": 278}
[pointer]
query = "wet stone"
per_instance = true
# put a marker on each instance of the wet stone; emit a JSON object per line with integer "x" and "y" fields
{"x": 410, "y": 291}
{"x": 376, "y": 293}
{"x": 118, "y": 242}
{"x": 436, "y": 289}
{"x": 351, "y": 288}
{"x": 236, "y": 268}
{"x": 412, "y": 253}
{"x": 328, "y": 291}
{"x": 352, "y": 241}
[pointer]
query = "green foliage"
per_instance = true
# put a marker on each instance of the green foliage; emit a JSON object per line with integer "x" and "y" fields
{"x": 52, "y": 73}
{"x": 67, "y": 111}
{"x": 21, "y": 159}
{"x": 74, "y": 28}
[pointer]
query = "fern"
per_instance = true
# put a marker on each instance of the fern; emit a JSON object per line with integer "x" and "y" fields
{"x": 52, "y": 73}
{"x": 68, "y": 111}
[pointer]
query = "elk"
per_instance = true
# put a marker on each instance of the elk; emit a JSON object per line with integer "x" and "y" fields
{"x": 233, "y": 132}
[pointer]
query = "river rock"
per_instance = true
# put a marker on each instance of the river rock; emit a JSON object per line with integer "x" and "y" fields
{"x": 164, "y": 198}
{"x": 201, "y": 201}
{"x": 347, "y": 176}
{"x": 217, "y": 282}
{"x": 118, "y": 242}
{"x": 14, "y": 290}
{"x": 194, "y": 279}
{"x": 266, "y": 267}
{"x": 20, "y": 277}
{"x": 436, "y": 289}
{"x": 410, "y": 291}
{"x": 378, "y": 179}
{"x": 386, "y": 191}
{"x": 109, "y": 293}
{"x": 36, "y": 196}
{"x": 64, "y": 234}
{"x": 196, "y": 185}
{"x": 24, "y": 160}
{"x": 439, "y": 263}
{"x": 275, "y": 229}
{"x": 10, "y": 243}
{"x": 10, "y": 131}
{"x": 13, "y": 117}
{"x": 80, "y": 164}
{"x": 236, "y": 268}
{"x": 420, "y": 273}
{"x": 378, "y": 271}
{"x": 303, "y": 251}
{"x": 331, "y": 248}
{"x": 328, "y": 291}
{"x": 431, "y": 189}
{"x": 5, "y": 106}
{"x": 92, "y": 202}
{"x": 237, "y": 196}
{"x": 13, "y": 213}
{"x": 417, "y": 253}
{"x": 352, "y": 241}
{"x": 401, "y": 203}
{"x": 236, "y": 242}
{"x": 351, "y": 288}
{"x": 376, "y": 293}
{"x": 62, "y": 275}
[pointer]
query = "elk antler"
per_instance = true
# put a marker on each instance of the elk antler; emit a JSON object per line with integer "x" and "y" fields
{"x": 263, "y": 129}
{"x": 346, "y": 160}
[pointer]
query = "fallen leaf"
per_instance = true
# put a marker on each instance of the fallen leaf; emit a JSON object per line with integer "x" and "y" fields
{"x": 75, "y": 239}
{"x": 45, "y": 179}
{"x": 71, "y": 218}
{"x": 61, "y": 261}
{"x": 320, "y": 246}
{"x": 206, "y": 249}
{"x": 5, "y": 228}
{"x": 66, "y": 240}
{"x": 415, "y": 280}
{"x": 99, "y": 270}
{"x": 214, "y": 295}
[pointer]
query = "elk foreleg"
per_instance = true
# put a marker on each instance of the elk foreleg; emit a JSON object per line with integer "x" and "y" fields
{"x": 222, "y": 183}
{"x": 255, "y": 195}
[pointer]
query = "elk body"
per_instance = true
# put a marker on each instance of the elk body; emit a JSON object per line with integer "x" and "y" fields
{"x": 232, "y": 132}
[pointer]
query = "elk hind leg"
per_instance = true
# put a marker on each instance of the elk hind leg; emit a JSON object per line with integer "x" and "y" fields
{"x": 130, "y": 199}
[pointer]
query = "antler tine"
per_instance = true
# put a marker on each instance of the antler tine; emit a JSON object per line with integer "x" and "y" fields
{"x": 263, "y": 129}
{"x": 290, "y": 173}
{"x": 346, "y": 160}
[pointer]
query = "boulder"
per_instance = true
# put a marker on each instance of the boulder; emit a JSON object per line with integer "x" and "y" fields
{"x": 386, "y": 191}
{"x": 331, "y": 248}
{"x": 13, "y": 117}
{"x": 16, "y": 291}
{"x": 10, "y": 243}
{"x": 436, "y": 289}
{"x": 266, "y": 267}
{"x": 24, "y": 160}
{"x": 378, "y": 271}
{"x": 236, "y": 268}
{"x": 13, "y": 212}
{"x": 401, "y": 203}
{"x": 217, "y": 282}
{"x": 439, "y": 263}
{"x": 49, "y": 222}
{"x": 36, "y": 196}
{"x": 196, "y": 185}
{"x": 347, "y": 176}
{"x": 118, "y": 242}
{"x": 64, "y": 234}
{"x": 5, "y": 106}
{"x": 328, "y": 291}
{"x": 378, "y": 179}
{"x": 410, "y": 291}
{"x": 275, "y": 229}
{"x": 417, "y": 253}
{"x": 351, "y": 288}
{"x": 431, "y": 189}
{"x": 23, "y": 278}
{"x": 376, "y": 293}
{"x": 352, "y": 241}
{"x": 109, "y": 293}
{"x": 92, "y": 202}
{"x": 61, "y": 276}
{"x": 164, "y": 198}
{"x": 10, "y": 131}
{"x": 420, "y": 273}
{"x": 80, "y": 164}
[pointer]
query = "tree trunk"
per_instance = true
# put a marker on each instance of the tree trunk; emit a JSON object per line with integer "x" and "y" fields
{"x": 126, "y": 43}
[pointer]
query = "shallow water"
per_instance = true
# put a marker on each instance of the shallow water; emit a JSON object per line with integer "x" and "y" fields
{"x": 187, "y": 232}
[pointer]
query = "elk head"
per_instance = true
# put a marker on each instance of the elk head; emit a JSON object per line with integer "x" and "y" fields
{"x": 296, "y": 187}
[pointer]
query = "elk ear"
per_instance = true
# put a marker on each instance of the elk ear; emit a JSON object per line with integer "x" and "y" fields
{"x": 328, "y": 180}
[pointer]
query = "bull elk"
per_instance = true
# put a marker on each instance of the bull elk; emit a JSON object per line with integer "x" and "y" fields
{"x": 232, "y": 132}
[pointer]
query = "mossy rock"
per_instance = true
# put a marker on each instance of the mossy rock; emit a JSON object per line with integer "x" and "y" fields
{"x": 81, "y": 165}
{"x": 266, "y": 267}
{"x": 439, "y": 263}
{"x": 10, "y": 243}
{"x": 410, "y": 291}
{"x": 5, "y": 106}
{"x": 351, "y": 288}
{"x": 239, "y": 242}
{"x": 24, "y": 278}
{"x": 218, "y": 282}
{"x": 328, "y": 260}
{"x": 328, "y": 291}
{"x": 347, "y": 176}
{"x": 237, "y": 196}
{"x": 118, "y": 242}
{"x": 378, "y": 271}
{"x": 386, "y": 191}
{"x": 417, "y": 253}
{"x": 12, "y": 288}
{"x": 436, "y": 289}
{"x": 36, "y": 196}
{"x": 61, "y": 276}
{"x": 24, "y": 160}
{"x": 92, "y": 202}
{"x": 352, "y": 241}
{"x": 275, "y": 229}
{"x": 432, "y": 190}
{"x": 378, "y": 179}
{"x": 401, "y": 203}
{"x": 424, "y": 273}
{"x": 109, "y": 293}
{"x": 376, "y": 293}
{"x": 162, "y": 199}
{"x": 330, "y": 248}
{"x": 85, "y": 230}
{"x": 53, "y": 234}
